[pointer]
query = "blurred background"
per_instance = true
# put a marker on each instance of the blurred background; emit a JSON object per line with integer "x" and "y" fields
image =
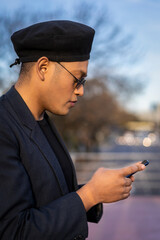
{"x": 117, "y": 122}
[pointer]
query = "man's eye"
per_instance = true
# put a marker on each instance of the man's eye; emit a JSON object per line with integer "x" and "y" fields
{"x": 76, "y": 80}
{"x": 80, "y": 82}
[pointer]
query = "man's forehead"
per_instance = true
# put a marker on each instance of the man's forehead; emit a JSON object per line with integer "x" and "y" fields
{"x": 78, "y": 67}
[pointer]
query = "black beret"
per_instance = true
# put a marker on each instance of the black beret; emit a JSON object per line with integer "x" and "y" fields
{"x": 63, "y": 41}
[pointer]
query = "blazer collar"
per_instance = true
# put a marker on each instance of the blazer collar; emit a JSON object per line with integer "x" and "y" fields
{"x": 21, "y": 108}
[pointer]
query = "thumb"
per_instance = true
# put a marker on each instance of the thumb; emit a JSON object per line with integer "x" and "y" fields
{"x": 132, "y": 169}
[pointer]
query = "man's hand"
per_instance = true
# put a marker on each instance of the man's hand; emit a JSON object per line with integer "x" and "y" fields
{"x": 108, "y": 185}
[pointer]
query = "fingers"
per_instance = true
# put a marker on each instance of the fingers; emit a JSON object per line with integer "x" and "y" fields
{"x": 132, "y": 178}
{"x": 127, "y": 189}
{"x": 126, "y": 192}
{"x": 126, "y": 195}
{"x": 128, "y": 182}
{"x": 132, "y": 169}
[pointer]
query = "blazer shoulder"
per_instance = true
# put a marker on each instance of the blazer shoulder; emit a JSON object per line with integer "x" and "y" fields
{"x": 5, "y": 116}
{"x": 3, "y": 110}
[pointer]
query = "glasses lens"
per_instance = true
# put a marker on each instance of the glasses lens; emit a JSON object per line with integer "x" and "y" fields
{"x": 80, "y": 82}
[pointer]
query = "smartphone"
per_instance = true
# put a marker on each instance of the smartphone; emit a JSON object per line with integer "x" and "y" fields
{"x": 145, "y": 162}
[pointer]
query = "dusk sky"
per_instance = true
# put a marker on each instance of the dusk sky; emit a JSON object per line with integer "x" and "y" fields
{"x": 141, "y": 18}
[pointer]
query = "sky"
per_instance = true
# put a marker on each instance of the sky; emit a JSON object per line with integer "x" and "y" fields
{"x": 140, "y": 18}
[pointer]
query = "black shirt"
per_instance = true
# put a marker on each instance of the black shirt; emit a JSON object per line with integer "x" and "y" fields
{"x": 59, "y": 152}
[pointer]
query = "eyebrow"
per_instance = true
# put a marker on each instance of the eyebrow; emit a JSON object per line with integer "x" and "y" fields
{"x": 83, "y": 74}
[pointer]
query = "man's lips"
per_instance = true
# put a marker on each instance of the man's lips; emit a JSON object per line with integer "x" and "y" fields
{"x": 72, "y": 103}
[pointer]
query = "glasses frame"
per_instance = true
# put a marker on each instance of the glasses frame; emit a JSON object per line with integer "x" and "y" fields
{"x": 78, "y": 81}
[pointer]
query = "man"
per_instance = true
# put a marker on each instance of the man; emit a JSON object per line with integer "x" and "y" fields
{"x": 39, "y": 195}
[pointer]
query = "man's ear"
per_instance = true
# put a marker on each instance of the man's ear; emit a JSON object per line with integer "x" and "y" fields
{"x": 42, "y": 67}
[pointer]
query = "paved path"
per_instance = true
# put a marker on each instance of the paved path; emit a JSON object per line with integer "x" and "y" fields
{"x": 137, "y": 218}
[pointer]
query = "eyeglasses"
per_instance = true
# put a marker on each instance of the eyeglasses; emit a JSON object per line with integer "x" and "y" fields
{"x": 78, "y": 82}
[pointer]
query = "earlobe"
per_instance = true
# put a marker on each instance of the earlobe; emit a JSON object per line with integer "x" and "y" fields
{"x": 42, "y": 74}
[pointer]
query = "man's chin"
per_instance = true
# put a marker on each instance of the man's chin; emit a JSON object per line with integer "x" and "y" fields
{"x": 61, "y": 113}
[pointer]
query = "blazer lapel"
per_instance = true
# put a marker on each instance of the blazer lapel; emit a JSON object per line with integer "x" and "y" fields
{"x": 39, "y": 139}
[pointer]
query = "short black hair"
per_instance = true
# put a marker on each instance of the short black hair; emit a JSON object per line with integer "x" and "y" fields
{"x": 25, "y": 68}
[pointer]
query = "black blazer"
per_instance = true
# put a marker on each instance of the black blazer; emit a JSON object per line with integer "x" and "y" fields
{"x": 35, "y": 203}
